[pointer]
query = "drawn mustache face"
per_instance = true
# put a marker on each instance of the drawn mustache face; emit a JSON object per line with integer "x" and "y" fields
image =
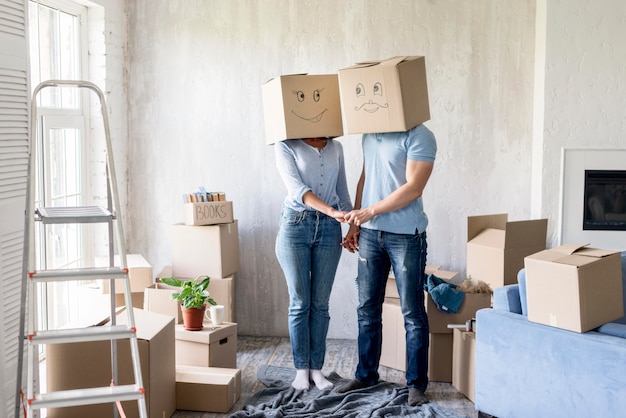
{"x": 374, "y": 102}
{"x": 310, "y": 106}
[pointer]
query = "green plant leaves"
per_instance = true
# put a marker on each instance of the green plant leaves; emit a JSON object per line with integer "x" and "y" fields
{"x": 193, "y": 294}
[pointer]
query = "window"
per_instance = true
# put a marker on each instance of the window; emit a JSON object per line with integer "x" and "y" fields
{"x": 58, "y": 51}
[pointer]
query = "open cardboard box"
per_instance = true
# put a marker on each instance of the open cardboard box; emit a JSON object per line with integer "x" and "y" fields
{"x": 496, "y": 247}
{"x": 208, "y": 213}
{"x": 302, "y": 106}
{"x": 88, "y": 364}
{"x": 157, "y": 297}
{"x": 389, "y": 95}
{"x": 574, "y": 287}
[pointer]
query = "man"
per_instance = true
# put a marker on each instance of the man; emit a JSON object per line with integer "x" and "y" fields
{"x": 388, "y": 230}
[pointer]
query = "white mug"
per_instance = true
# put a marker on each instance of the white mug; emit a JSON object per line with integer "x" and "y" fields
{"x": 215, "y": 314}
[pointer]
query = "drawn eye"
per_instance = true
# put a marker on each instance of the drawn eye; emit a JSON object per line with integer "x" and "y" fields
{"x": 360, "y": 91}
{"x": 300, "y": 95}
{"x": 378, "y": 89}
{"x": 316, "y": 95}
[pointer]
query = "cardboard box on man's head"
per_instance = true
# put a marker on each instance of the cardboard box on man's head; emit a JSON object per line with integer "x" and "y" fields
{"x": 302, "y": 106}
{"x": 384, "y": 96}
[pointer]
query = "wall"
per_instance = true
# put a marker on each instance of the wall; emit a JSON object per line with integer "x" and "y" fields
{"x": 195, "y": 70}
{"x": 585, "y": 93}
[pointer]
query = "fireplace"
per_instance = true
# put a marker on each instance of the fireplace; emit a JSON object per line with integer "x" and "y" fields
{"x": 605, "y": 200}
{"x": 590, "y": 207}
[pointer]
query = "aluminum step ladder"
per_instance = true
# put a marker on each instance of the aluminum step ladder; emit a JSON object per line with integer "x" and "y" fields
{"x": 30, "y": 335}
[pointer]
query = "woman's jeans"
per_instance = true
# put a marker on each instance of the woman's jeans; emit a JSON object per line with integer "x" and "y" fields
{"x": 406, "y": 254}
{"x": 308, "y": 248}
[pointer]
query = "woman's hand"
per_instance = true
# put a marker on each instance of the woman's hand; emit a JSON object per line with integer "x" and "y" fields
{"x": 351, "y": 240}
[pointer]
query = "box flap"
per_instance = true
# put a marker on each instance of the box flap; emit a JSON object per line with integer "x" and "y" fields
{"x": 595, "y": 252}
{"x": 490, "y": 237}
{"x": 205, "y": 375}
{"x": 392, "y": 62}
{"x": 148, "y": 324}
{"x": 475, "y": 224}
{"x": 526, "y": 234}
{"x": 568, "y": 249}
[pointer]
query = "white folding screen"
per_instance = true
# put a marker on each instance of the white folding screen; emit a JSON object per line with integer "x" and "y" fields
{"x": 14, "y": 128}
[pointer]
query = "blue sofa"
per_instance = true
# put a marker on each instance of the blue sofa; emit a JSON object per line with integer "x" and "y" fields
{"x": 529, "y": 370}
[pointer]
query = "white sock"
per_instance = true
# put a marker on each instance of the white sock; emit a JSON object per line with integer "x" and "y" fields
{"x": 301, "y": 382}
{"x": 320, "y": 381}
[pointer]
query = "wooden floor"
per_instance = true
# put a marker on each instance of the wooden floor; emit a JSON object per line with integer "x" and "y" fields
{"x": 341, "y": 357}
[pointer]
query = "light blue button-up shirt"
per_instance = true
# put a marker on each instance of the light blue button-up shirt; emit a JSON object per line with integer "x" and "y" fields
{"x": 385, "y": 157}
{"x": 303, "y": 168}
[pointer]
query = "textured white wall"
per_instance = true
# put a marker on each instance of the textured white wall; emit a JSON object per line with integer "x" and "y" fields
{"x": 195, "y": 70}
{"x": 585, "y": 92}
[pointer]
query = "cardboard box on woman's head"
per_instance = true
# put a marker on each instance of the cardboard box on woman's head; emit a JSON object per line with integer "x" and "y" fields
{"x": 384, "y": 96}
{"x": 301, "y": 106}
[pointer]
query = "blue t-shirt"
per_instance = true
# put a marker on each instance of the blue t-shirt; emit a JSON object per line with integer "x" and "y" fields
{"x": 303, "y": 168}
{"x": 385, "y": 157}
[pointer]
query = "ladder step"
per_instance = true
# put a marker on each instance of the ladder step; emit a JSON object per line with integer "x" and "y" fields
{"x": 76, "y": 214}
{"x": 90, "y": 273}
{"x": 102, "y": 333}
{"x": 76, "y": 397}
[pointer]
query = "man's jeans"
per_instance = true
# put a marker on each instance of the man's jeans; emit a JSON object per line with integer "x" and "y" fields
{"x": 308, "y": 248}
{"x": 406, "y": 254}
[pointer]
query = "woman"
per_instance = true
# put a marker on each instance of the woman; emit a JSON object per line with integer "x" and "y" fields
{"x": 308, "y": 245}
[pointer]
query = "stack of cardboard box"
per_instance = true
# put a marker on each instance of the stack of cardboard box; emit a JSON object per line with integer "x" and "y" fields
{"x": 496, "y": 249}
{"x": 207, "y": 244}
{"x": 393, "y": 352}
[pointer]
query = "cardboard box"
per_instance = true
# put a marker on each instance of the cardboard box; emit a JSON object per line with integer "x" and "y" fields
{"x": 157, "y": 298}
{"x": 139, "y": 273}
{"x": 210, "y": 250}
{"x": 440, "y": 358}
{"x": 574, "y": 287}
{"x": 496, "y": 248}
{"x": 120, "y": 300}
{"x": 438, "y": 321}
{"x": 384, "y": 96}
{"x": 463, "y": 355}
{"x": 88, "y": 364}
{"x": 222, "y": 290}
{"x": 208, "y": 213}
{"x": 207, "y": 389}
{"x": 209, "y": 347}
{"x": 393, "y": 352}
{"x": 302, "y": 106}
{"x": 391, "y": 289}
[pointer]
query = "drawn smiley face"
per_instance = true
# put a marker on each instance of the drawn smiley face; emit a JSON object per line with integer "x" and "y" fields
{"x": 309, "y": 105}
{"x": 370, "y": 98}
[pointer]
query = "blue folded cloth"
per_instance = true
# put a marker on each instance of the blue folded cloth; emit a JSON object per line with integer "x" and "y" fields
{"x": 445, "y": 294}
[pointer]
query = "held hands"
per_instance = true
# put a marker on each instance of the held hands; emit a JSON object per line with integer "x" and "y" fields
{"x": 359, "y": 216}
{"x": 351, "y": 240}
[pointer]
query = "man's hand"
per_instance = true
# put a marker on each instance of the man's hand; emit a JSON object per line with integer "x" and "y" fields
{"x": 351, "y": 241}
{"x": 359, "y": 216}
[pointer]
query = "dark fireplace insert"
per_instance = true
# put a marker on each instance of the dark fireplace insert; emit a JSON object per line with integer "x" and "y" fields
{"x": 605, "y": 200}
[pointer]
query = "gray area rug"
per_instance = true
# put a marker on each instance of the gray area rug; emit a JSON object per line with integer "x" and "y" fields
{"x": 385, "y": 399}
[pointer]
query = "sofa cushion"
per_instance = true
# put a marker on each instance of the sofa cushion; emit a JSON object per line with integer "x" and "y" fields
{"x": 521, "y": 280}
{"x": 616, "y": 330}
{"x": 506, "y": 298}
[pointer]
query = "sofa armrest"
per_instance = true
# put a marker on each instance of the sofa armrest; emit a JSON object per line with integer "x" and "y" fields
{"x": 507, "y": 298}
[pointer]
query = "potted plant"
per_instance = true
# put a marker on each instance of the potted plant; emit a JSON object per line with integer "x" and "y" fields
{"x": 193, "y": 297}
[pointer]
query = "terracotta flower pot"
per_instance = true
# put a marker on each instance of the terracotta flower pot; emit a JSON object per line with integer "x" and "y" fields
{"x": 193, "y": 318}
